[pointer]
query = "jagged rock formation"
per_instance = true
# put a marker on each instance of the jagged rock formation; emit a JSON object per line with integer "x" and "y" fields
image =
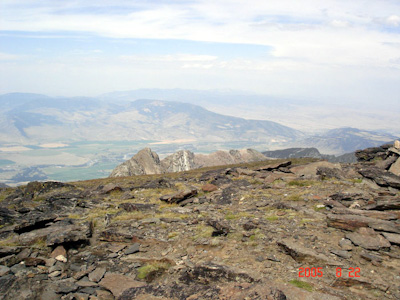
{"x": 148, "y": 162}
{"x": 268, "y": 230}
{"x": 144, "y": 162}
{"x": 182, "y": 160}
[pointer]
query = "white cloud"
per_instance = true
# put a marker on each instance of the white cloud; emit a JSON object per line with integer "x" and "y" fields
{"x": 8, "y": 57}
{"x": 393, "y": 20}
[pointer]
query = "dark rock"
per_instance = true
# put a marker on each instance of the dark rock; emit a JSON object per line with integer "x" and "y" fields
{"x": 116, "y": 235}
{"x": 325, "y": 173}
{"x": 129, "y": 207}
{"x": 7, "y": 215}
{"x": 371, "y": 153}
{"x": 219, "y": 226}
{"x": 34, "y": 262}
{"x": 221, "y": 180}
{"x": 4, "y": 270}
{"x": 385, "y": 203}
{"x": 34, "y": 220}
{"x": 176, "y": 198}
{"x": 226, "y": 196}
{"x": 35, "y": 187}
{"x": 77, "y": 234}
{"x": 157, "y": 183}
{"x": 249, "y": 225}
{"x": 6, "y": 283}
{"x": 211, "y": 273}
{"x": 381, "y": 177}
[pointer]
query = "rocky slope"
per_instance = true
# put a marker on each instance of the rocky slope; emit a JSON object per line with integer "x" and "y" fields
{"x": 148, "y": 162}
{"x": 298, "y": 229}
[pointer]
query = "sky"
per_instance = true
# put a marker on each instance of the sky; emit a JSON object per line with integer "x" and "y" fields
{"x": 321, "y": 50}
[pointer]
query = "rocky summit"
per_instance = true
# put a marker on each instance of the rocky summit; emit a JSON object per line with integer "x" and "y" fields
{"x": 273, "y": 229}
{"x": 148, "y": 162}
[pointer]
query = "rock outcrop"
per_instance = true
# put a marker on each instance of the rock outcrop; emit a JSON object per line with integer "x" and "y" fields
{"x": 144, "y": 162}
{"x": 148, "y": 162}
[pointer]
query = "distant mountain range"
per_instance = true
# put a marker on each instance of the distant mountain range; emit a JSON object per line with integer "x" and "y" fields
{"x": 345, "y": 140}
{"x": 34, "y": 119}
{"x": 310, "y": 152}
{"x": 28, "y": 118}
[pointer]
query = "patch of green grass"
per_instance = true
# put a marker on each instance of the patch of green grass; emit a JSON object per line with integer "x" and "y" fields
{"x": 40, "y": 243}
{"x": 304, "y": 221}
{"x": 149, "y": 271}
{"x": 173, "y": 234}
{"x": 294, "y": 197}
{"x": 9, "y": 242}
{"x": 316, "y": 208}
{"x": 271, "y": 218}
{"x": 235, "y": 216}
{"x": 203, "y": 231}
{"x": 356, "y": 180}
{"x": 301, "y": 284}
{"x": 301, "y": 183}
{"x": 74, "y": 216}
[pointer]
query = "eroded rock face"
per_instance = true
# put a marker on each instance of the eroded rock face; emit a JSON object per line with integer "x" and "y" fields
{"x": 144, "y": 162}
{"x": 179, "y": 161}
{"x": 148, "y": 162}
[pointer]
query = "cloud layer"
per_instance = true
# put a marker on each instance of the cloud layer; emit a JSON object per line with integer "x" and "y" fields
{"x": 327, "y": 50}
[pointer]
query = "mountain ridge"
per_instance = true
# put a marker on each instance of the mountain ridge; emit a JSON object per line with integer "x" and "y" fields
{"x": 148, "y": 162}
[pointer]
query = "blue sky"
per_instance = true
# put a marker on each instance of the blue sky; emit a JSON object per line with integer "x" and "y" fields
{"x": 327, "y": 50}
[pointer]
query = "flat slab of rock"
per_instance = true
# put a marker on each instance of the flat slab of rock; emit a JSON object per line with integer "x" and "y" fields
{"x": 385, "y": 203}
{"x": 209, "y": 187}
{"x": 381, "y": 177}
{"x": 132, "y": 249}
{"x": 305, "y": 255}
{"x": 97, "y": 274}
{"x": 368, "y": 213}
{"x": 179, "y": 197}
{"x": 310, "y": 170}
{"x": 392, "y": 237}
{"x": 368, "y": 239}
{"x": 353, "y": 222}
{"x": 117, "y": 283}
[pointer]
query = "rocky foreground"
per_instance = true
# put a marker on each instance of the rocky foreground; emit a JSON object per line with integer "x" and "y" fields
{"x": 299, "y": 229}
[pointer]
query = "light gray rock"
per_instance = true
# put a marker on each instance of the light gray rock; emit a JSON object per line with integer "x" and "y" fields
{"x": 97, "y": 274}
